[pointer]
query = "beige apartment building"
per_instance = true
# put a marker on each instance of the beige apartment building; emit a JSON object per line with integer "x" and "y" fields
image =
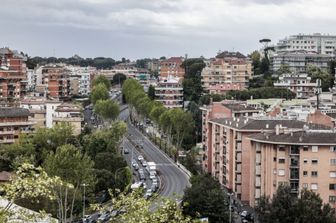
{"x": 69, "y": 113}
{"x": 228, "y": 155}
{"x": 227, "y": 68}
{"x": 303, "y": 160}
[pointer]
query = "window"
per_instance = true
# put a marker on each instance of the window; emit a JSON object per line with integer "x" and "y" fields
{"x": 314, "y": 186}
{"x": 314, "y": 149}
{"x": 305, "y": 161}
{"x": 314, "y": 174}
{"x": 333, "y": 162}
{"x": 314, "y": 161}
{"x": 305, "y": 185}
{"x": 274, "y": 159}
{"x": 305, "y": 148}
{"x": 305, "y": 173}
{"x": 332, "y": 174}
{"x": 281, "y": 148}
{"x": 281, "y": 172}
{"x": 282, "y": 160}
{"x": 332, "y": 199}
{"x": 332, "y": 148}
{"x": 332, "y": 186}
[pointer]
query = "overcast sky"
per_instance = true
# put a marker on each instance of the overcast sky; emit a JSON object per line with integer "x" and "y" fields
{"x": 153, "y": 28}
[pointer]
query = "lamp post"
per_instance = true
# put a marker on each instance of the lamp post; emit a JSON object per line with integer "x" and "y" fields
{"x": 84, "y": 185}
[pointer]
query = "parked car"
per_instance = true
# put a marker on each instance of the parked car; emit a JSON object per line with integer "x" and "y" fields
{"x": 136, "y": 166}
{"x": 144, "y": 163}
{"x": 148, "y": 193}
{"x": 142, "y": 176}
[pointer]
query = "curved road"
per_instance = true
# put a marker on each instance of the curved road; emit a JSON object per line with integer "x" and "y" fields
{"x": 173, "y": 179}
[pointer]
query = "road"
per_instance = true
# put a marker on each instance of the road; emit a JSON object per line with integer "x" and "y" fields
{"x": 173, "y": 179}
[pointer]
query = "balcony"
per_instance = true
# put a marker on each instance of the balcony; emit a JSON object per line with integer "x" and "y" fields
{"x": 2, "y": 141}
{"x": 3, "y": 124}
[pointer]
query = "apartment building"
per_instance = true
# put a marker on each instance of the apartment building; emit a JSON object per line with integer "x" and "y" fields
{"x": 170, "y": 92}
{"x": 225, "y": 88}
{"x": 316, "y": 43}
{"x": 298, "y": 61}
{"x": 13, "y": 122}
{"x": 69, "y": 113}
{"x": 227, "y": 68}
{"x": 299, "y": 83}
{"x": 227, "y": 150}
{"x": 41, "y": 111}
{"x": 80, "y": 80}
{"x": 13, "y": 75}
{"x": 171, "y": 67}
{"x": 56, "y": 78}
{"x": 304, "y": 160}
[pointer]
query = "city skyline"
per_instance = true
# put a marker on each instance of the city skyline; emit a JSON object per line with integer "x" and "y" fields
{"x": 138, "y": 29}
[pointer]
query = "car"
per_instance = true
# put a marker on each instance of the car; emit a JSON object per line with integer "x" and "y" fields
{"x": 144, "y": 185}
{"x": 148, "y": 193}
{"x": 104, "y": 217}
{"x": 154, "y": 188}
{"x": 141, "y": 170}
{"x": 152, "y": 176}
{"x": 126, "y": 151}
{"x": 136, "y": 166}
{"x": 144, "y": 163}
{"x": 142, "y": 176}
{"x": 140, "y": 158}
{"x": 134, "y": 163}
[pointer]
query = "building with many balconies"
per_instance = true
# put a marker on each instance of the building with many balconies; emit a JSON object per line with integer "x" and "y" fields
{"x": 13, "y": 122}
{"x": 170, "y": 92}
{"x": 56, "y": 79}
{"x": 303, "y": 159}
{"x": 299, "y": 83}
{"x": 13, "y": 74}
{"x": 171, "y": 67}
{"x": 227, "y": 68}
{"x": 316, "y": 43}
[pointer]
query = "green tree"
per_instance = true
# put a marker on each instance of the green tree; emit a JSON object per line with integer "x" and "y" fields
{"x": 151, "y": 92}
{"x": 139, "y": 210}
{"x": 255, "y": 57}
{"x": 284, "y": 69}
{"x": 107, "y": 109}
{"x": 192, "y": 83}
{"x": 101, "y": 79}
{"x": 318, "y": 73}
{"x": 119, "y": 78}
{"x": 99, "y": 92}
{"x": 205, "y": 199}
{"x": 74, "y": 168}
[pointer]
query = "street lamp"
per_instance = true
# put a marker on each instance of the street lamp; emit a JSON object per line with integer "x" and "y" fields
{"x": 230, "y": 197}
{"x": 84, "y": 185}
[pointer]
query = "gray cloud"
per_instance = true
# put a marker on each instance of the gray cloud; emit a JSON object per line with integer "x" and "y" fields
{"x": 139, "y": 28}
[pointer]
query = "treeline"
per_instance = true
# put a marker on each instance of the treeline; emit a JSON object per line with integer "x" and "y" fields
{"x": 97, "y": 62}
{"x": 177, "y": 124}
{"x": 285, "y": 207}
{"x": 92, "y": 159}
{"x": 253, "y": 93}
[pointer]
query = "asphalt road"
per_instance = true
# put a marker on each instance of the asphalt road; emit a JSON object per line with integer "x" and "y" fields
{"x": 173, "y": 179}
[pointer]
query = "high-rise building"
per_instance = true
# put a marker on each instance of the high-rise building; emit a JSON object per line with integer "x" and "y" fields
{"x": 170, "y": 92}
{"x": 13, "y": 74}
{"x": 57, "y": 81}
{"x": 227, "y": 68}
{"x": 315, "y": 43}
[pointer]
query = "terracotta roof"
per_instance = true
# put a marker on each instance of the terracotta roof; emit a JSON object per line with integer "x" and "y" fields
{"x": 297, "y": 138}
{"x": 13, "y": 112}
{"x": 265, "y": 123}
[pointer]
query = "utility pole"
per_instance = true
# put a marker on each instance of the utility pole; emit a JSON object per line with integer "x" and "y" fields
{"x": 84, "y": 185}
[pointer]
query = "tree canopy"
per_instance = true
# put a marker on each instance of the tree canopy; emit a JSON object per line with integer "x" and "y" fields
{"x": 99, "y": 92}
{"x": 101, "y": 79}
